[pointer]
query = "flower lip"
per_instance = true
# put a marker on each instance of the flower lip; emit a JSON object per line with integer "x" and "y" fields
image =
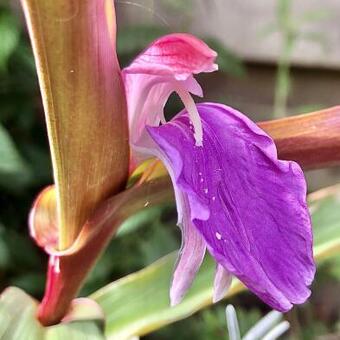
{"x": 258, "y": 227}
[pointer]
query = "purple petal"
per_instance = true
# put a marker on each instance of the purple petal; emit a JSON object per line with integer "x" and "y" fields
{"x": 190, "y": 257}
{"x": 222, "y": 283}
{"x": 258, "y": 226}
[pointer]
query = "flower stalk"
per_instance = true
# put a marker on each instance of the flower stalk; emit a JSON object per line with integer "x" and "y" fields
{"x": 84, "y": 102}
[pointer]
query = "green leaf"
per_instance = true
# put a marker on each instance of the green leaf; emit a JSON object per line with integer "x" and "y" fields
{"x": 75, "y": 331}
{"x": 9, "y": 33}
{"x": 325, "y": 210}
{"x": 17, "y": 314}
{"x": 139, "y": 303}
{"x": 14, "y": 172}
{"x": 18, "y": 321}
{"x": 139, "y": 220}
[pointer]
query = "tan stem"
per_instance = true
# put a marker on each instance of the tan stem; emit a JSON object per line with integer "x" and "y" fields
{"x": 312, "y": 140}
{"x": 84, "y": 102}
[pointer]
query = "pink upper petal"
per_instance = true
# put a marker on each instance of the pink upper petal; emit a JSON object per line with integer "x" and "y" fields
{"x": 166, "y": 66}
{"x": 178, "y": 55}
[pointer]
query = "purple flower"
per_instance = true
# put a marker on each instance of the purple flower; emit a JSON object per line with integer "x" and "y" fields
{"x": 234, "y": 197}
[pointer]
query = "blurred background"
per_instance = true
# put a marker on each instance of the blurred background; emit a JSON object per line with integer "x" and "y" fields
{"x": 276, "y": 58}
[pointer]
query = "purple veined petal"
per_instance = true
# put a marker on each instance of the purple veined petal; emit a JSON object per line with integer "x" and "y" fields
{"x": 222, "y": 283}
{"x": 149, "y": 147}
{"x": 190, "y": 257}
{"x": 258, "y": 225}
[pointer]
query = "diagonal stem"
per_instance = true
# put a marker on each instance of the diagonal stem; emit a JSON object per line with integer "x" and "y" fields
{"x": 312, "y": 140}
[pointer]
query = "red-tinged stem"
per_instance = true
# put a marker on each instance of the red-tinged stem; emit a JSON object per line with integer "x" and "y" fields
{"x": 84, "y": 102}
{"x": 67, "y": 273}
{"x": 312, "y": 140}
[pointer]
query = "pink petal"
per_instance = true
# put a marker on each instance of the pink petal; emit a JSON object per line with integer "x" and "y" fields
{"x": 177, "y": 55}
{"x": 166, "y": 66}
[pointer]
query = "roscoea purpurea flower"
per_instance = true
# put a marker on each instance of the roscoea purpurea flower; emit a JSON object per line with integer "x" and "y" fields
{"x": 234, "y": 197}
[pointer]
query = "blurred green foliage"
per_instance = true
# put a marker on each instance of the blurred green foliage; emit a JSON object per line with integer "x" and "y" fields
{"x": 210, "y": 324}
{"x": 14, "y": 171}
{"x": 290, "y": 28}
{"x": 10, "y": 37}
{"x": 143, "y": 239}
{"x": 178, "y": 5}
{"x": 25, "y": 169}
{"x": 24, "y": 157}
{"x": 18, "y": 321}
